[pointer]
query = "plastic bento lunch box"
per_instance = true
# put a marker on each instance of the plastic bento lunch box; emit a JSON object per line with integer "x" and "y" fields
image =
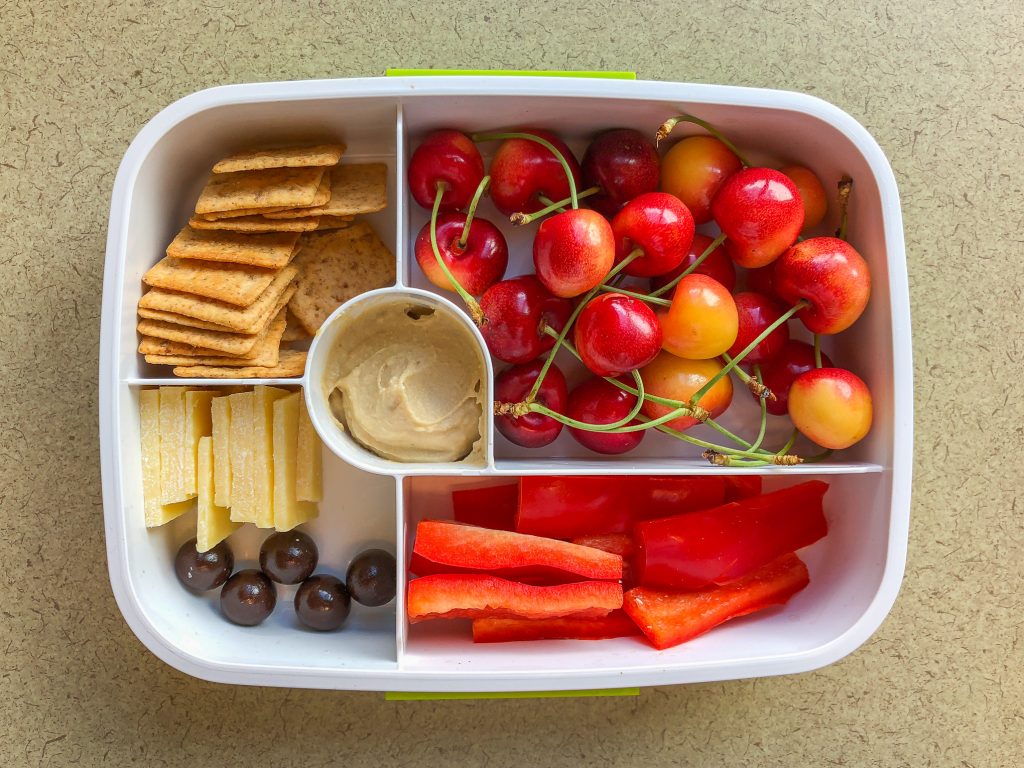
{"x": 855, "y": 571}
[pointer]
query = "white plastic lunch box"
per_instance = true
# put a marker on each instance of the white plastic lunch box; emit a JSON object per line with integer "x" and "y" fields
{"x": 855, "y": 571}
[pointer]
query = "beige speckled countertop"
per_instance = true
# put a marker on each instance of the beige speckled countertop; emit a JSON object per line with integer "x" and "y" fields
{"x": 938, "y": 83}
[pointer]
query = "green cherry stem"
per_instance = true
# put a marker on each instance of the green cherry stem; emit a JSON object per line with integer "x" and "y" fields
{"x": 485, "y": 182}
{"x": 471, "y": 304}
{"x": 710, "y": 446}
{"x": 642, "y": 296}
{"x": 520, "y": 219}
{"x": 817, "y": 350}
{"x": 747, "y": 350}
{"x": 672, "y": 122}
{"x": 789, "y": 443}
{"x": 480, "y": 137}
{"x": 764, "y": 413}
{"x": 755, "y": 385}
{"x": 689, "y": 270}
{"x": 617, "y": 426}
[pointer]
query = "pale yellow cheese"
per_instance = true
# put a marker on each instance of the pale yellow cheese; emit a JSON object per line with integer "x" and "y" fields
{"x": 242, "y": 446}
{"x": 220, "y": 416}
{"x": 263, "y": 466}
{"x": 156, "y": 513}
{"x": 288, "y": 511}
{"x": 309, "y": 471}
{"x": 197, "y": 425}
{"x": 213, "y": 523}
{"x": 174, "y": 455}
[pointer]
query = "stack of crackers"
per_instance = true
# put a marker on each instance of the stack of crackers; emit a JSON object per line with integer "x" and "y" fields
{"x": 217, "y": 304}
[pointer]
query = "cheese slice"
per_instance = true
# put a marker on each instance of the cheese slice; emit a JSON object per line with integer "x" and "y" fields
{"x": 213, "y": 523}
{"x": 156, "y": 512}
{"x": 220, "y": 417}
{"x": 309, "y": 469}
{"x": 288, "y": 511}
{"x": 242, "y": 447}
{"x": 174, "y": 455}
{"x": 197, "y": 425}
{"x": 263, "y": 468}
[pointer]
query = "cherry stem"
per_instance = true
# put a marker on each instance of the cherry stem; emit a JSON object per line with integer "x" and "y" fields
{"x": 471, "y": 304}
{"x": 616, "y": 426}
{"x": 755, "y": 385}
{"x": 471, "y": 211}
{"x": 845, "y": 188}
{"x": 672, "y": 122}
{"x": 479, "y": 137}
{"x": 642, "y": 296}
{"x": 747, "y": 350}
{"x": 689, "y": 270}
{"x": 711, "y": 446}
{"x": 520, "y": 219}
{"x": 572, "y": 319}
{"x": 764, "y": 413}
{"x": 817, "y": 350}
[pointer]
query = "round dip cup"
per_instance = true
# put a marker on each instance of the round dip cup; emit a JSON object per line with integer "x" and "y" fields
{"x": 317, "y": 389}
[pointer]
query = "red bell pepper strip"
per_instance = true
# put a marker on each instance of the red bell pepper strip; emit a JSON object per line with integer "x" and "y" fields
{"x": 446, "y": 547}
{"x": 742, "y": 486}
{"x": 718, "y": 545}
{"x": 671, "y": 618}
{"x": 478, "y": 596}
{"x": 615, "y": 624}
{"x": 567, "y": 507}
{"x": 617, "y": 543}
{"x": 491, "y": 507}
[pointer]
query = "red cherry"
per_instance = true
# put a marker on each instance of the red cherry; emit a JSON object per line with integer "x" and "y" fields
{"x": 761, "y": 214}
{"x": 624, "y": 164}
{"x": 660, "y": 225}
{"x": 812, "y": 193}
{"x": 756, "y": 312}
{"x": 597, "y": 401}
{"x": 762, "y": 280}
{"x": 448, "y": 156}
{"x": 831, "y": 275}
{"x": 523, "y": 169}
{"x": 795, "y": 358}
{"x": 513, "y": 313}
{"x": 477, "y": 265}
{"x": 533, "y": 430}
{"x": 573, "y": 251}
{"x": 615, "y": 334}
{"x": 718, "y": 266}
{"x": 695, "y": 169}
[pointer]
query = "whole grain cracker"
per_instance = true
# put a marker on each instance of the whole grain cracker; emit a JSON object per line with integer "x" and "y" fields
{"x": 257, "y": 224}
{"x": 292, "y": 363}
{"x": 227, "y": 343}
{"x": 361, "y": 188}
{"x": 173, "y": 317}
{"x": 336, "y": 266}
{"x": 294, "y": 330}
{"x": 271, "y": 250}
{"x": 237, "y": 284}
{"x": 267, "y": 188}
{"x": 332, "y": 222}
{"x": 239, "y": 319}
{"x": 153, "y": 346}
{"x": 281, "y": 157}
{"x": 265, "y": 352}
{"x": 215, "y": 215}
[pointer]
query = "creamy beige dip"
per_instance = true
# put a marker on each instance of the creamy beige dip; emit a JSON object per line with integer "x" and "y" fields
{"x": 407, "y": 382}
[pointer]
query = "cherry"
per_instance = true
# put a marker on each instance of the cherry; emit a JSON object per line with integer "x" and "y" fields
{"x": 477, "y": 264}
{"x": 762, "y": 280}
{"x": 515, "y": 312}
{"x": 616, "y": 333}
{"x": 829, "y": 274}
{"x": 702, "y": 321}
{"x": 695, "y": 169}
{"x": 760, "y": 212}
{"x": 449, "y": 156}
{"x": 812, "y": 193}
{"x": 674, "y": 378}
{"x": 831, "y": 406}
{"x": 756, "y": 312}
{"x": 718, "y": 266}
{"x": 624, "y": 164}
{"x": 660, "y": 226}
{"x": 522, "y": 169}
{"x": 573, "y": 251}
{"x": 596, "y": 401}
{"x": 795, "y": 358}
{"x": 531, "y": 430}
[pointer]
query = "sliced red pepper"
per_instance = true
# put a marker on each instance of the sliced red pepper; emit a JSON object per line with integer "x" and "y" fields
{"x": 671, "y": 618}
{"x": 478, "y": 596}
{"x": 717, "y": 545}
{"x": 742, "y": 486}
{"x": 446, "y": 547}
{"x": 617, "y": 543}
{"x": 566, "y": 507}
{"x": 491, "y": 507}
{"x": 615, "y": 624}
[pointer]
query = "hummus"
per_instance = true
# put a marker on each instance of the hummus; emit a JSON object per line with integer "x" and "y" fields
{"x": 406, "y": 381}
